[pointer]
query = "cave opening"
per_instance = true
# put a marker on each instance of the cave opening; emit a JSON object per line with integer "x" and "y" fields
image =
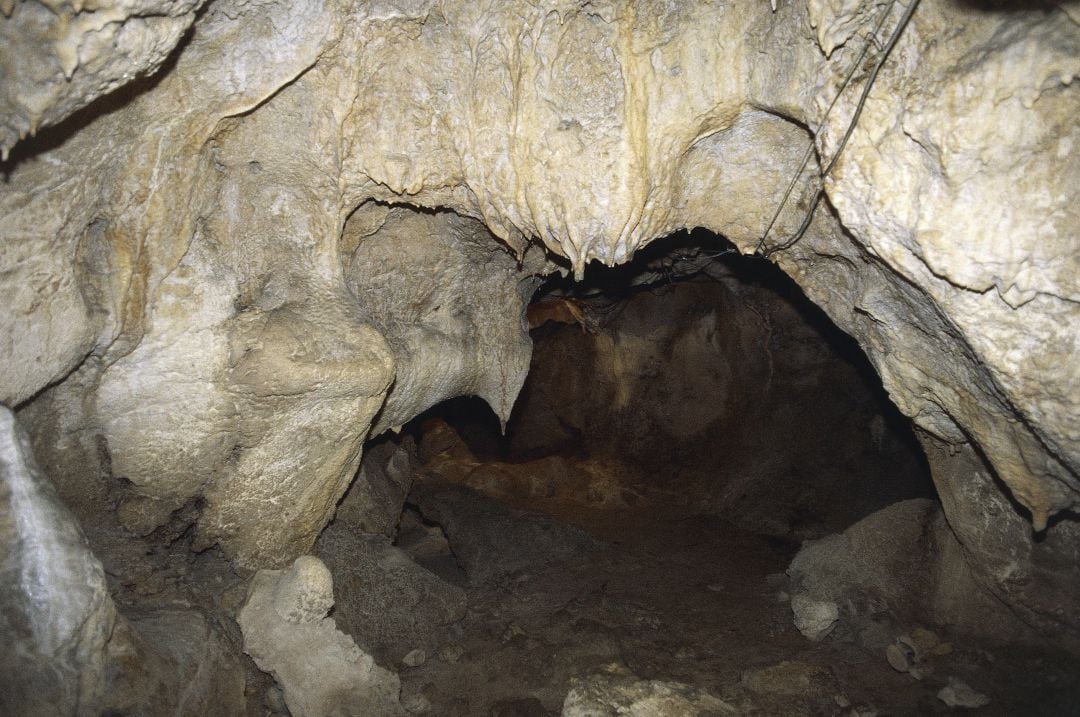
{"x": 697, "y": 379}
{"x": 252, "y": 251}
{"x": 688, "y": 421}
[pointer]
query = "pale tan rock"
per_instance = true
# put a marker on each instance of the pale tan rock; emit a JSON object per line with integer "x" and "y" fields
{"x": 319, "y": 668}
{"x": 449, "y": 298}
{"x": 57, "y": 56}
{"x": 621, "y": 693}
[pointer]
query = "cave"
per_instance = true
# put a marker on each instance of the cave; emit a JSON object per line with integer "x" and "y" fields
{"x": 531, "y": 358}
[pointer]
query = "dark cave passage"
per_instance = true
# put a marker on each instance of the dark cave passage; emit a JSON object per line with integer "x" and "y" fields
{"x": 691, "y": 432}
{"x": 688, "y": 422}
{"x": 696, "y": 380}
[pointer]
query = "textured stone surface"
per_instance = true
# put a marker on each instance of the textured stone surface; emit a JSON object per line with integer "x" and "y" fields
{"x": 620, "y": 693}
{"x": 704, "y": 407}
{"x": 57, "y": 56}
{"x": 189, "y": 240}
{"x": 389, "y": 604}
{"x": 493, "y": 541}
{"x": 319, "y": 668}
{"x": 904, "y": 565}
{"x": 449, "y": 299}
{"x": 1035, "y": 575}
{"x": 814, "y": 618}
{"x": 375, "y": 499}
{"x": 67, "y": 649}
{"x": 55, "y": 609}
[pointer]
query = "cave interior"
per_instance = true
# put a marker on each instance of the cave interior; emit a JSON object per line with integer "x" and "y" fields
{"x": 364, "y": 358}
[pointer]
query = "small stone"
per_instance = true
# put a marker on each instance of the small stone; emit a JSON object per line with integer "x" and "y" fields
{"x": 943, "y": 649}
{"x": 782, "y": 597}
{"x": 920, "y": 672}
{"x": 451, "y": 653}
{"x": 416, "y": 704}
{"x": 512, "y": 630}
{"x": 959, "y": 694}
{"x": 415, "y": 658}
{"x": 924, "y": 641}
{"x": 908, "y": 645}
{"x": 304, "y": 592}
{"x": 842, "y": 701}
{"x": 898, "y": 658}
{"x": 715, "y": 587}
{"x": 815, "y": 619}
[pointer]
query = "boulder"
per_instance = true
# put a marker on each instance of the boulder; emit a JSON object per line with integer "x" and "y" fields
{"x": 389, "y": 604}
{"x": 319, "y": 668}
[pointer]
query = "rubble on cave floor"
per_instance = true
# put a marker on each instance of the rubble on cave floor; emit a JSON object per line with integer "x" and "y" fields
{"x": 657, "y": 612}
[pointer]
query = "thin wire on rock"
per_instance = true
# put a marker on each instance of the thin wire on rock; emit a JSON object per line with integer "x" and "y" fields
{"x": 893, "y": 38}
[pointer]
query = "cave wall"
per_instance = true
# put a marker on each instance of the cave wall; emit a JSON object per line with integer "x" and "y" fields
{"x": 177, "y": 243}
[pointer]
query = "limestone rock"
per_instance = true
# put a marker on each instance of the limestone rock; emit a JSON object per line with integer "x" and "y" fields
{"x": 305, "y": 592}
{"x": 182, "y": 252}
{"x": 492, "y": 540}
{"x": 386, "y": 602}
{"x": 449, "y": 299}
{"x": 319, "y": 668}
{"x": 959, "y": 694}
{"x": 57, "y": 56}
{"x": 763, "y": 366}
{"x": 610, "y": 694}
{"x": 815, "y": 619}
{"x": 68, "y": 650}
{"x": 882, "y": 555}
{"x": 375, "y": 499}
{"x": 165, "y": 658}
{"x": 55, "y": 609}
{"x": 905, "y": 565}
{"x": 414, "y": 658}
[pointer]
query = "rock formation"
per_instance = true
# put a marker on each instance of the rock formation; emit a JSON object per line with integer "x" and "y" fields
{"x": 69, "y": 651}
{"x": 320, "y": 668}
{"x": 240, "y": 237}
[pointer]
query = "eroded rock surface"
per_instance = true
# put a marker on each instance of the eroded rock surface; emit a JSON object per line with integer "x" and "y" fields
{"x": 622, "y": 694}
{"x": 58, "y": 56}
{"x": 449, "y": 299}
{"x": 388, "y": 603}
{"x": 181, "y": 252}
{"x": 902, "y": 566}
{"x": 68, "y": 651}
{"x": 56, "y": 611}
{"x": 319, "y": 668}
{"x": 493, "y": 541}
{"x": 710, "y": 381}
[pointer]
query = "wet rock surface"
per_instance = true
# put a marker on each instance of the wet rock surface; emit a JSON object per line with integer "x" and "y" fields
{"x": 252, "y": 232}
{"x": 182, "y": 343}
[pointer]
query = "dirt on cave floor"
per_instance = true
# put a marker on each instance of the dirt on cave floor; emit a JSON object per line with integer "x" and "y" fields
{"x": 558, "y": 590}
{"x": 675, "y": 597}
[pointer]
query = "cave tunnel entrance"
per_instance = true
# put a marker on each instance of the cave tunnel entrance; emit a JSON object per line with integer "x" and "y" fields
{"x": 689, "y": 421}
{"x": 693, "y": 380}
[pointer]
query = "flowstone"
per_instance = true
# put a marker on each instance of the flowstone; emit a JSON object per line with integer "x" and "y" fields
{"x": 319, "y": 668}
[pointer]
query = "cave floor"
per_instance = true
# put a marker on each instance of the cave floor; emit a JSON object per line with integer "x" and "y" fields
{"x": 692, "y": 600}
